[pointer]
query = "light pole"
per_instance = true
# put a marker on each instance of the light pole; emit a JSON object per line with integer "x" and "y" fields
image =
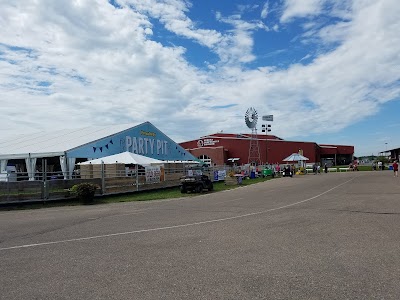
{"x": 266, "y": 128}
{"x": 386, "y": 154}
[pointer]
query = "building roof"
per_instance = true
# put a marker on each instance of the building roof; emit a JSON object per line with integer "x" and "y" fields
{"x": 325, "y": 146}
{"x": 240, "y": 136}
{"x": 57, "y": 142}
{"x": 124, "y": 158}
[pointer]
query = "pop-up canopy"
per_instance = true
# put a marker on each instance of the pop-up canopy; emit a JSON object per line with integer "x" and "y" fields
{"x": 295, "y": 157}
{"x": 124, "y": 158}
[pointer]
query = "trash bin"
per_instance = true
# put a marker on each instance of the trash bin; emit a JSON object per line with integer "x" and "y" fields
{"x": 391, "y": 168}
{"x": 252, "y": 174}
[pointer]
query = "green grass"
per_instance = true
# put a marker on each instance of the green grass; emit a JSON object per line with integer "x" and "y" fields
{"x": 364, "y": 168}
{"x": 136, "y": 196}
{"x": 173, "y": 192}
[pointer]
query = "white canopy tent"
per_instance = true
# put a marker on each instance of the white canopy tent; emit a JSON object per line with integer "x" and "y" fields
{"x": 295, "y": 157}
{"x": 124, "y": 158}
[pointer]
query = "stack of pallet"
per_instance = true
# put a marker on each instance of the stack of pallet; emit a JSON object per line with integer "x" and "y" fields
{"x": 86, "y": 171}
{"x": 115, "y": 170}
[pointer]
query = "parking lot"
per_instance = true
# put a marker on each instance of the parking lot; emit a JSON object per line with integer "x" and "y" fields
{"x": 327, "y": 236}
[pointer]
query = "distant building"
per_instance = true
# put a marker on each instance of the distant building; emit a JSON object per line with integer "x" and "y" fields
{"x": 225, "y": 148}
{"x": 391, "y": 154}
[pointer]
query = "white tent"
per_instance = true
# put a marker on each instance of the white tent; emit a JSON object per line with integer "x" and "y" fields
{"x": 124, "y": 158}
{"x": 295, "y": 157}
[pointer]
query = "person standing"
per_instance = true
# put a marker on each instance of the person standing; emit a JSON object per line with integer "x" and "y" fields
{"x": 278, "y": 169}
{"x": 326, "y": 167}
{"x": 395, "y": 169}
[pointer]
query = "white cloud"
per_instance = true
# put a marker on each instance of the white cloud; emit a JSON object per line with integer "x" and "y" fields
{"x": 343, "y": 86}
{"x": 235, "y": 46}
{"x": 172, "y": 14}
{"x": 94, "y": 67}
{"x": 265, "y": 10}
{"x": 303, "y": 8}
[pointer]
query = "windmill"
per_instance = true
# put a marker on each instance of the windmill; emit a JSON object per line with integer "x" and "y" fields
{"x": 251, "y": 118}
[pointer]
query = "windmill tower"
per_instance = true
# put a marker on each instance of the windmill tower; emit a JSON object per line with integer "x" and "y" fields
{"x": 251, "y": 118}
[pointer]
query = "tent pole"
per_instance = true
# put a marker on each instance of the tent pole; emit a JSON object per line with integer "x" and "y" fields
{"x": 103, "y": 183}
{"x": 137, "y": 177}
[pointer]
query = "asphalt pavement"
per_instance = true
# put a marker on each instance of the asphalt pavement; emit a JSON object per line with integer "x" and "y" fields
{"x": 328, "y": 236}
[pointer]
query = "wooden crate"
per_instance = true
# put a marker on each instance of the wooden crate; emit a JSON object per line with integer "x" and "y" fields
{"x": 114, "y": 170}
{"x": 86, "y": 171}
{"x": 97, "y": 171}
{"x": 231, "y": 180}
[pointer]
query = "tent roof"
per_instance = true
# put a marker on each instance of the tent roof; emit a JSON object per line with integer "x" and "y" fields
{"x": 124, "y": 158}
{"x": 295, "y": 157}
{"x": 57, "y": 142}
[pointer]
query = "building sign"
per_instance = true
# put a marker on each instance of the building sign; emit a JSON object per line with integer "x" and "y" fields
{"x": 219, "y": 175}
{"x": 207, "y": 142}
{"x": 147, "y": 133}
{"x": 268, "y": 118}
{"x": 144, "y": 139}
{"x": 153, "y": 174}
{"x": 145, "y": 146}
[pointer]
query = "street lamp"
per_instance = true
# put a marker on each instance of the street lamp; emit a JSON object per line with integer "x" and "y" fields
{"x": 386, "y": 154}
{"x": 267, "y": 128}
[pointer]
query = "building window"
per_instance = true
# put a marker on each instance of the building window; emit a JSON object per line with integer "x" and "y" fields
{"x": 205, "y": 159}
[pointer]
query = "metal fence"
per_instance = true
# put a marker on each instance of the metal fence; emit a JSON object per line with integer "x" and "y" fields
{"x": 111, "y": 179}
{"x": 16, "y": 187}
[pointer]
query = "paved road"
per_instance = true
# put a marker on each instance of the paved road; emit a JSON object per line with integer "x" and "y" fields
{"x": 329, "y": 236}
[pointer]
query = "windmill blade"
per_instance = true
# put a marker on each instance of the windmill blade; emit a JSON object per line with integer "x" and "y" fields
{"x": 251, "y": 117}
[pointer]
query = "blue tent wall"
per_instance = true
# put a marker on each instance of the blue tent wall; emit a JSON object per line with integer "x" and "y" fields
{"x": 144, "y": 139}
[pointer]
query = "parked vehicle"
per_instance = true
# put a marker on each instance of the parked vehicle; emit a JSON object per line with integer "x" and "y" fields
{"x": 268, "y": 172}
{"x": 287, "y": 171}
{"x": 195, "y": 183}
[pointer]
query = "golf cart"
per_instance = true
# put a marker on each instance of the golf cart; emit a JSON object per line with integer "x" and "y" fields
{"x": 195, "y": 183}
{"x": 196, "y": 179}
{"x": 268, "y": 172}
{"x": 287, "y": 171}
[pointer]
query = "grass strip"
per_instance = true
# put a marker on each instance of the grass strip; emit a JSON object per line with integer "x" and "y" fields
{"x": 159, "y": 194}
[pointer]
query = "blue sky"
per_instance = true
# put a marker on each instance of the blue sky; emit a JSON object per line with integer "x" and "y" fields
{"x": 328, "y": 70}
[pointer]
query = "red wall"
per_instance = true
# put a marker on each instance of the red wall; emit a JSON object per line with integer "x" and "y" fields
{"x": 219, "y": 147}
{"x": 217, "y": 154}
{"x": 340, "y": 149}
{"x": 279, "y": 150}
{"x": 239, "y": 148}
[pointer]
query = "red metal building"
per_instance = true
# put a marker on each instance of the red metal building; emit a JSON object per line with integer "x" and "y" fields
{"x": 221, "y": 148}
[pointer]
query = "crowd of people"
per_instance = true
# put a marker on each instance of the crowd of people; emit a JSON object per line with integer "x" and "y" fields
{"x": 378, "y": 165}
{"x": 317, "y": 168}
